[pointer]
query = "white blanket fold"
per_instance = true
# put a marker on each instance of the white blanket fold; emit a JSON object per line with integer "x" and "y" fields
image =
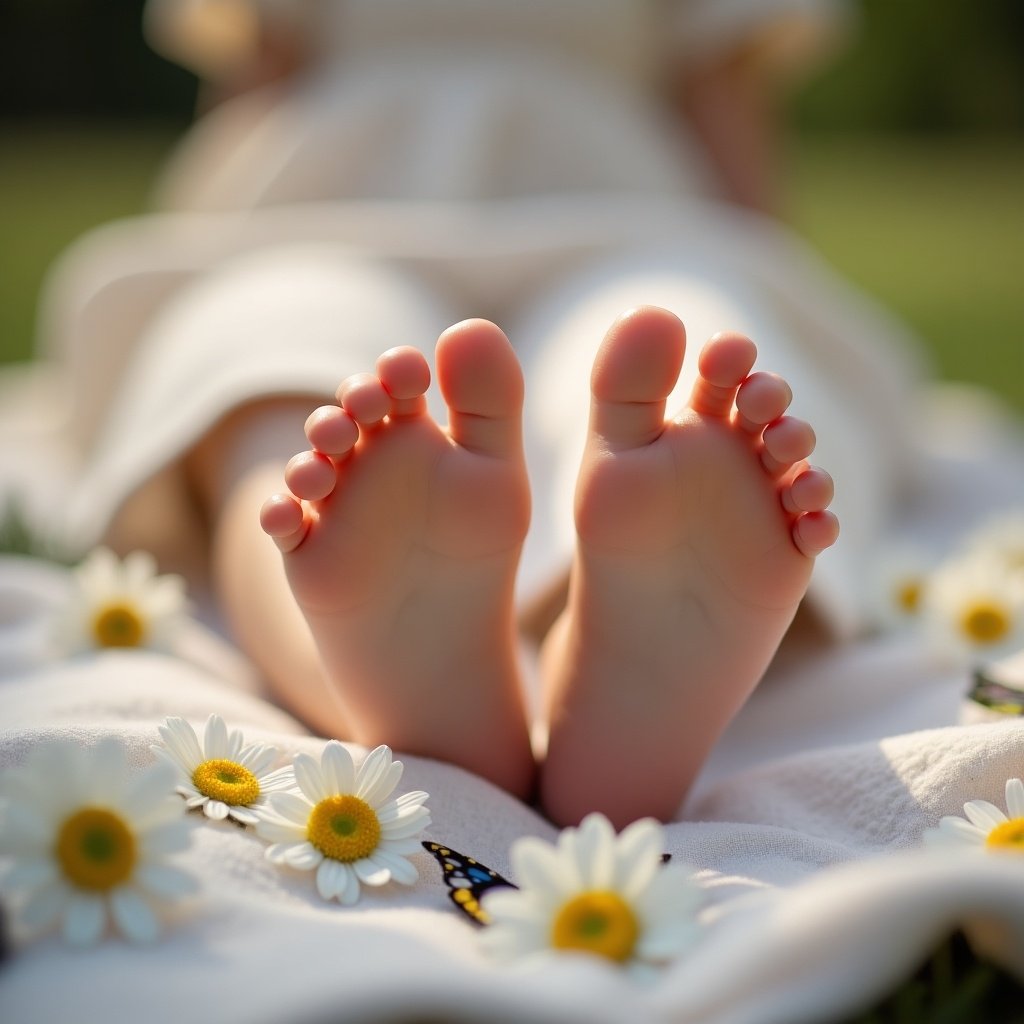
{"x": 806, "y": 838}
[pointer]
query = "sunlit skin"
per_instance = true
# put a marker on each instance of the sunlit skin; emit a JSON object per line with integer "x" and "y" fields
{"x": 697, "y": 534}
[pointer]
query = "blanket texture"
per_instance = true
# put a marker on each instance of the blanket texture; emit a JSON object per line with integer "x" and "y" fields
{"x": 819, "y": 895}
{"x": 805, "y": 830}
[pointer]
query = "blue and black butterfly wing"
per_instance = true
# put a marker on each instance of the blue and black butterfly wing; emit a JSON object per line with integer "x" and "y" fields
{"x": 467, "y": 880}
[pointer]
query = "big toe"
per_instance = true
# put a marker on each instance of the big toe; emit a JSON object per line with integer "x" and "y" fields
{"x": 482, "y": 384}
{"x": 634, "y": 373}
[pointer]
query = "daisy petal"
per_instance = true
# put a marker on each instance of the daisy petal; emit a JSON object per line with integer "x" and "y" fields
{"x": 109, "y": 770}
{"x": 511, "y": 904}
{"x": 215, "y": 739}
{"x": 44, "y": 906}
{"x": 138, "y": 568}
{"x": 84, "y": 918}
{"x": 400, "y": 847}
{"x": 1015, "y": 798}
{"x": 401, "y": 806}
{"x": 31, "y": 874}
{"x": 291, "y": 807}
{"x": 402, "y": 870}
{"x": 331, "y": 879}
{"x": 67, "y": 762}
{"x": 24, "y": 787}
{"x": 215, "y": 809}
{"x": 171, "y": 837}
{"x": 339, "y": 771}
{"x": 667, "y": 940}
{"x": 25, "y": 830}
{"x": 257, "y": 759}
{"x": 166, "y": 595}
{"x": 369, "y": 872}
{"x": 349, "y": 896}
{"x": 984, "y": 814}
{"x": 133, "y": 916}
{"x": 958, "y": 831}
{"x": 243, "y": 814}
{"x": 303, "y": 857}
{"x": 181, "y": 741}
{"x": 537, "y": 867}
{"x": 281, "y": 778}
{"x": 310, "y": 778}
{"x": 277, "y": 830}
{"x": 148, "y": 789}
{"x": 596, "y": 851}
{"x": 672, "y": 895}
{"x": 276, "y": 852}
{"x": 414, "y": 797}
{"x": 378, "y": 776}
{"x": 409, "y": 825}
{"x": 164, "y": 881}
{"x": 638, "y": 857}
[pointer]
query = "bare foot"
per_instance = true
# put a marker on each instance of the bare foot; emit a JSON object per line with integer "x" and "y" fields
{"x": 696, "y": 538}
{"x": 401, "y": 541}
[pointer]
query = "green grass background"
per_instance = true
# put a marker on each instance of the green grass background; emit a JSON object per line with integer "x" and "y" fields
{"x": 931, "y": 226}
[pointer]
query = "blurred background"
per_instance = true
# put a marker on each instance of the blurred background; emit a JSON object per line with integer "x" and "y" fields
{"x": 905, "y": 161}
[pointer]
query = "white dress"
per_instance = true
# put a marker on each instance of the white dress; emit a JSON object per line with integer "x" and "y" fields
{"x": 446, "y": 159}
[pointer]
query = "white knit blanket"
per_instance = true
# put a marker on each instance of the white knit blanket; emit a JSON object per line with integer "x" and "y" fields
{"x": 806, "y": 829}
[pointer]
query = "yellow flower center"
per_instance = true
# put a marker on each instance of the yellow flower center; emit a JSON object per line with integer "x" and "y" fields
{"x": 908, "y": 597}
{"x": 985, "y": 622}
{"x": 227, "y": 781}
{"x": 1008, "y": 835}
{"x": 343, "y": 828}
{"x": 118, "y": 625}
{"x": 599, "y": 922}
{"x": 96, "y": 849}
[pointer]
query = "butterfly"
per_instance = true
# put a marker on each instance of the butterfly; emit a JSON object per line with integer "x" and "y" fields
{"x": 467, "y": 880}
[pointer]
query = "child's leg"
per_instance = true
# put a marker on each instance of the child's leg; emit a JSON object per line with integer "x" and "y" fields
{"x": 401, "y": 541}
{"x": 281, "y": 319}
{"x": 234, "y": 469}
{"x": 696, "y": 538}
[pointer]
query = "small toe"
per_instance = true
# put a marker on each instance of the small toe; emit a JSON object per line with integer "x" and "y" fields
{"x": 331, "y": 430}
{"x": 364, "y": 398}
{"x": 786, "y": 441}
{"x": 403, "y": 372}
{"x": 810, "y": 490}
{"x": 310, "y": 475}
{"x": 813, "y": 532}
{"x": 723, "y": 365}
{"x": 762, "y": 398}
{"x": 284, "y": 520}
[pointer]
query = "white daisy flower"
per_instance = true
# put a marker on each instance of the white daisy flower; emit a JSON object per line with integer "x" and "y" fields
{"x": 1001, "y": 538}
{"x": 343, "y": 823}
{"x": 974, "y": 605}
{"x": 120, "y": 604}
{"x": 900, "y": 582}
{"x": 220, "y": 775}
{"x": 597, "y": 893}
{"x": 986, "y": 826}
{"x": 86, "y": 842}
